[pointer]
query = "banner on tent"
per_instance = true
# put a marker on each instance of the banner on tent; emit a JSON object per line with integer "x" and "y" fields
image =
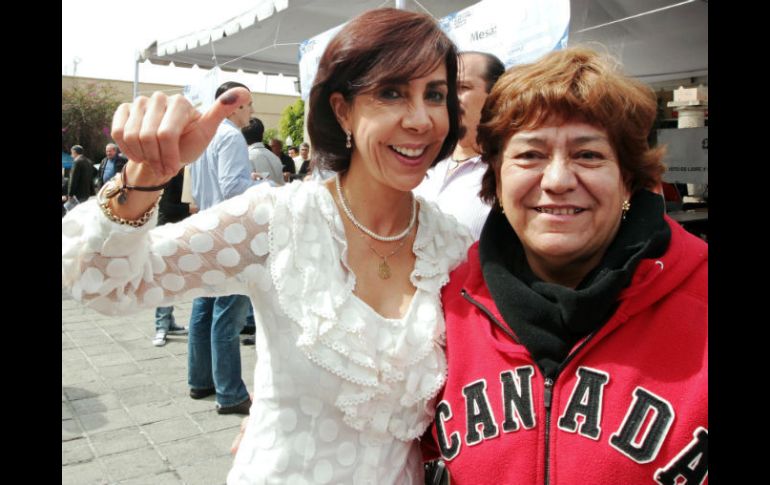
{"x": 516, "y": 32}
{"x": 201, "y": 93}
{"x": 310, "y": 52}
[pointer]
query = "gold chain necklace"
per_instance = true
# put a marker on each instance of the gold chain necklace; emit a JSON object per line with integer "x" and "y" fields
{"x": 383, "y": 269}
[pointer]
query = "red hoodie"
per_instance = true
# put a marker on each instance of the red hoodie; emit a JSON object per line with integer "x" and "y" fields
{"x": 630, "y": 406}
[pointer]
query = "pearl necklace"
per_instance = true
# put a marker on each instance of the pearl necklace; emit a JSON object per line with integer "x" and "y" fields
{"x": 365, "y": 229}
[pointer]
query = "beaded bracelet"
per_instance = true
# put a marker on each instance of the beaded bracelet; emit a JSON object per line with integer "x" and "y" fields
{"x": 136, "y": 223}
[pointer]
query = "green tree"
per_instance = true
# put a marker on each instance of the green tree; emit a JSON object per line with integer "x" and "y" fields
{"x": 86, "y": 117}
{"x": 292, "y": 122}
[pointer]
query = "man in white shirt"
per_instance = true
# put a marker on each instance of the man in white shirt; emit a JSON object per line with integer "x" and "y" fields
{"x": 264, "y": 163}
{"x": 454, "y": 183}
{"x": 294, "y": 154}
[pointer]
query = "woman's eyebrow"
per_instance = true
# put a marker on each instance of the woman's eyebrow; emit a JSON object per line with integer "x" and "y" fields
{"x": 438, "y": 83}
{"x": 529, "y": 139}
{"x": 588, "y": 139}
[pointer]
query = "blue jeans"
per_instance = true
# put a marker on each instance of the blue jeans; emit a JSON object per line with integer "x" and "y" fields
{"x": 214, "y": 357}
{"x": 250, "y": 318}
{"x": 164, "y": 318}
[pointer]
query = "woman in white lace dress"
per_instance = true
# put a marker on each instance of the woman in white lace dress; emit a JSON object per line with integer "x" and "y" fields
{"x": 349, "y": 322}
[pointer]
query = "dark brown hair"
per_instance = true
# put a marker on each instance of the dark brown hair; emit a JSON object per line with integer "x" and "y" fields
{"x": 229, "y": 85}
{"x": 378, "y": 47}
{"x": 572, "y": 84}
{"x": 254, "y": 131}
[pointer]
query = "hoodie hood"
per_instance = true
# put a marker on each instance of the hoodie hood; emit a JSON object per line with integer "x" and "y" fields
{"x": 657, "y": 277}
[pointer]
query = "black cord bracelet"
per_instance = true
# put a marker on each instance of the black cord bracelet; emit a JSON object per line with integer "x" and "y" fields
{"x": 137, "y": 187}
{"x": 125, "y": 187}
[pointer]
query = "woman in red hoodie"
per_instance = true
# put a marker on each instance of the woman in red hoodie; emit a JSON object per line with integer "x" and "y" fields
{"x": 577, "y": 329}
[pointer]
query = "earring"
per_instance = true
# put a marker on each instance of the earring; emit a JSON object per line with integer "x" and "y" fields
{"x": 626, "y": 207}
{"x": 501, "y": 208}
{"x": 348, "y": 143}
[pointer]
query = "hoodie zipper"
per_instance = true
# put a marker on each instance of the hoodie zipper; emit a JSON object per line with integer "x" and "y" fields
{"x": 547, "y": 401}
{"x": 547, "y": 395}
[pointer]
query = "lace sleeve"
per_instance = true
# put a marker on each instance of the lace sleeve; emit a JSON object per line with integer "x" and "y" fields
{"x": 117, "y": 269}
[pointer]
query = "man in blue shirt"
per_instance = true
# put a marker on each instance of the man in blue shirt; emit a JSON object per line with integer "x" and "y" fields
{"x": 214, "y": 357}
{"x": 110, "y": 165}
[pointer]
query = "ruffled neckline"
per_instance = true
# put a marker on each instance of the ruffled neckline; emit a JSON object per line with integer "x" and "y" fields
{"x": 425, "y": 247}
{"x": 386, "y": 393}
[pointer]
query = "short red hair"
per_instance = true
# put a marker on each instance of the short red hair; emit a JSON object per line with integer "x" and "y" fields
{"x": 572, "y": 84}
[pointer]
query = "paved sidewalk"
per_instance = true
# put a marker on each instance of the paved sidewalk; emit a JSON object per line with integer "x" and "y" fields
{"x": 126, "y": 415}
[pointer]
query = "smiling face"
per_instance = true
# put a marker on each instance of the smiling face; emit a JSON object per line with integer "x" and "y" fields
{"x": 397, "y": 129}
{"x": 562, "y": 190}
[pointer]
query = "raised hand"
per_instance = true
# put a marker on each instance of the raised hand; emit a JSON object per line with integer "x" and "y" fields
{"x": 165, "y": 133}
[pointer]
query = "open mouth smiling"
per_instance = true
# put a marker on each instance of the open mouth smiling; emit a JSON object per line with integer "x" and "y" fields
{"x": 408, "y": 152}
{"x": 559, "y": 211}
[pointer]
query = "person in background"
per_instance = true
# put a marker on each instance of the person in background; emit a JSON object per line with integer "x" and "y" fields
{"x": 63, "y": 191}
{"x": 80, "y": 183}
{"x": 223, "y": 171}
{"x": 577, "y": 331}
{"x": 170, "y": 209}
{"x": 264, "y": 163}
{"x": 111, "y": 164}
{"x": 304, "y": 160}
{"x": 344, "y": 275}
{"x": 454, "y": 183}
{"x": 289, "y": 169}
{"x": 294, "y": 154}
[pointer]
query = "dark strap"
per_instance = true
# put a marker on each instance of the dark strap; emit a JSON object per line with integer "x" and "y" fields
{"x": 136, "y": 187}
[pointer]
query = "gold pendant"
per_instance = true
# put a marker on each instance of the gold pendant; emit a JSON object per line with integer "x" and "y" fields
{"x": 383, "y": 271}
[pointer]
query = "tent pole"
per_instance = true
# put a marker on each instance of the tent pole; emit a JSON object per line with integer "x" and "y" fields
{"x": 136, "y": 77}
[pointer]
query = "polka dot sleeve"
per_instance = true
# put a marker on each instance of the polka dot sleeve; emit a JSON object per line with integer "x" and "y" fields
{"x": 116, "y": 269}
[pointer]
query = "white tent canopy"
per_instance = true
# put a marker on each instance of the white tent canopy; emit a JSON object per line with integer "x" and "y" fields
{"x": 655, "y": 40}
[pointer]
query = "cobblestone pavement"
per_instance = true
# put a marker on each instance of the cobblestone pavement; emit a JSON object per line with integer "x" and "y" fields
{"x": 126, "y": 415}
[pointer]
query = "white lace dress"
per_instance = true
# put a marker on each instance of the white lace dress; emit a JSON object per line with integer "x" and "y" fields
{"x": 340, "y": 393}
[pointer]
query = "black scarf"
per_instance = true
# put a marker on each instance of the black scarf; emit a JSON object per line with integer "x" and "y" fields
{"x": 549, "y": 318}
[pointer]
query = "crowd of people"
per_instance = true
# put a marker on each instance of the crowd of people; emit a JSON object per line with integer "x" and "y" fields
{"x": 526, "y": 313}
{"x": 85, "y": 178}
